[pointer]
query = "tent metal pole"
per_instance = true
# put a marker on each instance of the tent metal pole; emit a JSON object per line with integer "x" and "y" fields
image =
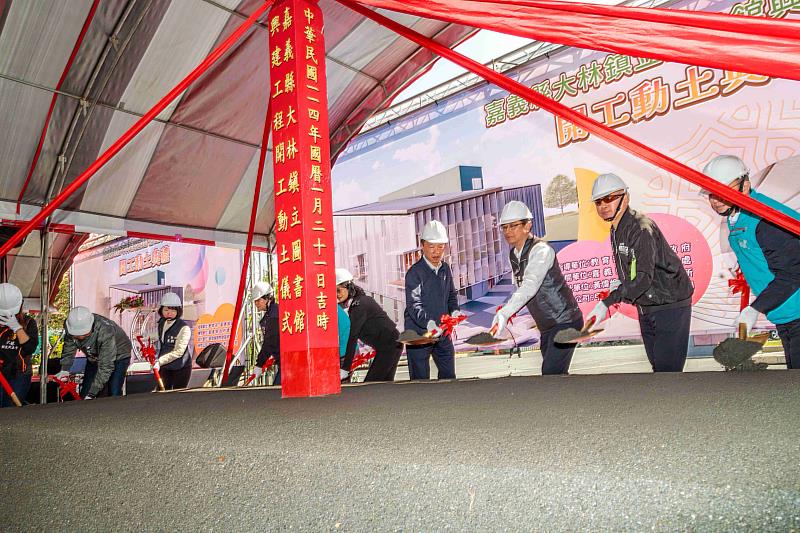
{"x": 44, "y": 299}
{"x": 248, "y": 249}
{"x": 162, "y": 104}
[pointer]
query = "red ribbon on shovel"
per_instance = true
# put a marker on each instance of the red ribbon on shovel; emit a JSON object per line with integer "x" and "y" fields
{"x": 149, "y": 353}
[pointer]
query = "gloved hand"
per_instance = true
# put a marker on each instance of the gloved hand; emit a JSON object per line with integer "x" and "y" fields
{"x": 156, "y": 365}
{"x": 89, "y": 397}
{"x": 748, "y": 317}
{"x": 456, "y": 314}
{"x": 257, "y": 371}
{"x": 63, "y": 375}
{"x": 434, "y": 330}
{"x": 10, "y": 321}
{"x": 614, "y": 285}
{"x": 599, "y": 313}
{"x": 500, "y": 321}
{"x": 343, "y": 374}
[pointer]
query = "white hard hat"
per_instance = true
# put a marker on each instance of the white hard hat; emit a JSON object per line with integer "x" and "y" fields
{"x": 725, "y": 169}
{"x": 514, "y": 211}
{"x": 343, "y": 276}
{"x": 605, "y": 184}
{"x": 79, "y": 321}
{"x": 10, "y": 299}
{"x": 262, "y": 289}
{"x": 171, "y": 299}
{"x": 434, "y": 233}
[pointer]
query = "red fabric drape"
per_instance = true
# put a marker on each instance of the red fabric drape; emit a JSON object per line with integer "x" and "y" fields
{"x": 744, "y": 44}
{"x": 601, "y": 130}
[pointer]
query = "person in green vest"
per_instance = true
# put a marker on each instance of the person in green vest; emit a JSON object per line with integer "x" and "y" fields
{"x": 768, "y": 255}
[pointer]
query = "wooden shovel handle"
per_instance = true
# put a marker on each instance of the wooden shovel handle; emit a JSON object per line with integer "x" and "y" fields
{"x": 742, "y": 330}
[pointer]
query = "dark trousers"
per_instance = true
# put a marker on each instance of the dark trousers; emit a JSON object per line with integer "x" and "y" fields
{"x": 666, "y": 337}
{"x": 115, "y": 380}
{"x": 556, "y": 357}
{"x": 384, "y": 364}
{"x": 790, "y": 338}
{"x": 176, "y": 379}
{"x": 20, "y": 385}
{"x": 444, "y": 355}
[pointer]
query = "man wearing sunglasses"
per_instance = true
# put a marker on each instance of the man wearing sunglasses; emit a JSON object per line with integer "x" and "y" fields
{"x": 540, "y": 287}
{"x": 651, "y": 277}
{"x": 769, "y": 256}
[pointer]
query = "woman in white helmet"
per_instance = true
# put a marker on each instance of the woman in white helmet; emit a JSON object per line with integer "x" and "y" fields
{"x": 370, "y": 324}
{"x": 651, "y": 277}
{"x": 19, "y": 337}
{"x": 174, "y": 361}
{"x": 768, "y": 255}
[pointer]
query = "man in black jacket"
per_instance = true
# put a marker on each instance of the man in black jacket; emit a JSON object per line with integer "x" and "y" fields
{"x": 651, "y": 277}
{"x": 431, "y": 293}
{"x": 370, "y": 324}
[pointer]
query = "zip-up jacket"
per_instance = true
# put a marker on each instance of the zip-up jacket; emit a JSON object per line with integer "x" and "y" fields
{"x": 541, "y": 287}
{"x": 270, "y": 335}
{"x": 428, "y": 295}
{"x": 15, "y": 357}
{"x": 652, "y": 276}
{"x": 106, "y": 344}
{"x": 769, "y": 257}
{"x": 369, "y": 323}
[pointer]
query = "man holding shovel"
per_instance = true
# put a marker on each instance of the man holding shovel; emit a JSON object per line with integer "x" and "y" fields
{"x": 431, "y": 293}
{"x": 107, "y": 349}
{"x": 651, "y": 277}
{"x": 540, "y": 287}
{"x": 768, "y": 256}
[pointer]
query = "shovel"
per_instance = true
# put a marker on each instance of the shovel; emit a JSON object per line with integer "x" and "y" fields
{"x": 411, "y": 338}
{"x": 731, "y": 353}
{"x": 575, "y": 336}
{"x": 485, "y": 338}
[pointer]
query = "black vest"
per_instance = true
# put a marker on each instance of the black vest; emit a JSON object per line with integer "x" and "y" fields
{"x": 168, "y": 343}
{"x": 554, "y": 302}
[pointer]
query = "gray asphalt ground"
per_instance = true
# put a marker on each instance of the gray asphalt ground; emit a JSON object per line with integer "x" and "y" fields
{"x": 704, "y": 451}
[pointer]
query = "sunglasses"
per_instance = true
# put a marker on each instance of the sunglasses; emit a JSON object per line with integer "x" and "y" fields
{"x": 608, "y": 199}
{"x": 509, "y": 227}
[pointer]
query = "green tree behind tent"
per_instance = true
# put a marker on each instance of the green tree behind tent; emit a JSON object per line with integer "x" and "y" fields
{"x": 560, "y": 193}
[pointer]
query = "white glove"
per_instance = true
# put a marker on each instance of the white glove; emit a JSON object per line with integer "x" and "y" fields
{"x": 434, "y": 330}
{"x": 257, "y": 371}
{"x": 599, "y": 313}
{"x": 748, "y": 317}
{"x": 614, "y": 285}
{"x": 343, "y": 374}
{"x": 63, "y": 375}
{"x": 456, "y": 314}
{"x": 156, "y": 365}
{"x": 500, "y": 321}
{"x": 10, "y": 321}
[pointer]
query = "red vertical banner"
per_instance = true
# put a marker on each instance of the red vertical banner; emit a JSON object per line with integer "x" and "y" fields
{"x": 306, "y": 288}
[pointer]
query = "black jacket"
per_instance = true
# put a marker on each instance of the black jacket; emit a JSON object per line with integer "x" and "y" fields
{"x": 369, "y": 323}
{"x": 15, "y": 357}
{"x": 428, "y": 295}
{"x": 271, "y": 335}
{"x": 652, "y": 276}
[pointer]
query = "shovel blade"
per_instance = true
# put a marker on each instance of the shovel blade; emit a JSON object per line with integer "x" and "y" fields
{"x": 733, "y": 352}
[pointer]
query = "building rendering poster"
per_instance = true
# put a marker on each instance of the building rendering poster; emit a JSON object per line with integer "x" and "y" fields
{"x": 689, "y": 113}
